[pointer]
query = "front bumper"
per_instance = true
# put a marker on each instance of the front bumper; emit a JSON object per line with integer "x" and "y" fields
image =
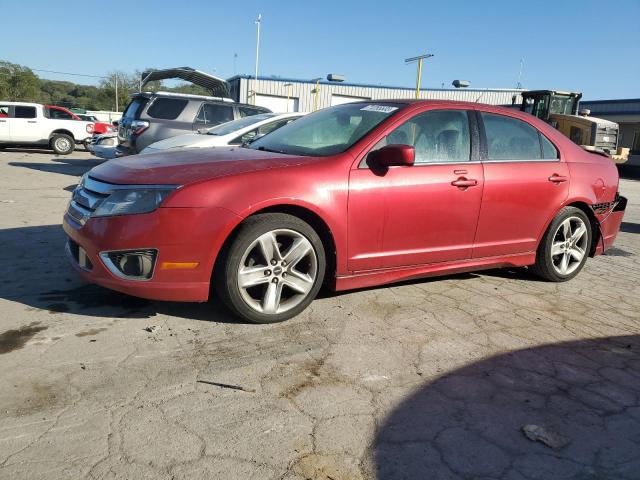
{"x": 180, "y": 235}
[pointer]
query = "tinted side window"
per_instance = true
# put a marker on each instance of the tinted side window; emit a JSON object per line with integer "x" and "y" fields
{"x": 510, "y": 139}
{"x": 437, "y": 136}
{"x": 24, "y": 112}
{"x": 213, "y": 114}
{"x": 549, "y": 150}
{"x": 167, "y": 108}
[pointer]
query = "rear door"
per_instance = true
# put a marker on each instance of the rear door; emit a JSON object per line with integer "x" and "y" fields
{"x": 525, "y": 182}
{"x": 26, "y": 125}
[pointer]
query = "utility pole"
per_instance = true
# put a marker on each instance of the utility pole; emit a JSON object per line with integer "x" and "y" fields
{"x": 317, "y": 92}
{"x": 258, "y": 21}
{"x": 418, "y": 59}
{"x": 519, "y": 84}
{"x": 235, "y": 63}
{"x": 288, "y": 87}
{"x": 117, "y": 92}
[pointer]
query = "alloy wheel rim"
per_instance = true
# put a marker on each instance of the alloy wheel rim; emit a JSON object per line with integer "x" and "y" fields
{"x": 569, "y": 245}
{"x": 277, "y": 271}
{"x": 62, "y": 144}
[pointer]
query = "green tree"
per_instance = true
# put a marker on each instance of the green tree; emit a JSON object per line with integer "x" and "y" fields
{"x": 18, "y": 83}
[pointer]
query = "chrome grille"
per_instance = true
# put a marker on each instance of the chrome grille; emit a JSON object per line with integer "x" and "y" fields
{"x": 86, "y": 198}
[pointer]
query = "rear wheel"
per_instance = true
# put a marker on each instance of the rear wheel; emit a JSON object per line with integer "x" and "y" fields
{"x": 62, "y": 144}
{"x": 565, "y": 246}
{"x": 272, "y": 270}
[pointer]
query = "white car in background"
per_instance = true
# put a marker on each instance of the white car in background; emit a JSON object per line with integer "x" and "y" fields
{"x": 236, "y": 132}
{"x": 104, "y": 146}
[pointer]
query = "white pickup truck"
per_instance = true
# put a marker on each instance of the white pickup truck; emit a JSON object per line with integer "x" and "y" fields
{"x": 28, "y": 124}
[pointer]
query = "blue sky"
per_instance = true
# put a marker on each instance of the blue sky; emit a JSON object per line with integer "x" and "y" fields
{"x": 588, "y": 46}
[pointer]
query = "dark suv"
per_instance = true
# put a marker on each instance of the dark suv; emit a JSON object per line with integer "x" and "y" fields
{"x": 151, "y": 117}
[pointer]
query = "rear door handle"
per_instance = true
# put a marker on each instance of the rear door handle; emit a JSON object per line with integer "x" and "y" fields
{"x": 464, "y": 183}
{"x": 555, "y": 178}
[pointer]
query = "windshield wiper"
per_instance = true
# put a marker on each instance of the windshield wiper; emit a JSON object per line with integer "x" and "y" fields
{"x": 265, "y": 149}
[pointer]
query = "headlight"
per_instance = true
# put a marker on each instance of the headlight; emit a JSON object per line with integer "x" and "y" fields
{"x": 129, "y": 202}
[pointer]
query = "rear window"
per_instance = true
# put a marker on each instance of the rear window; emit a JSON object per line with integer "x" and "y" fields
{"x": 24, "y": 112}
{"x": 249, "y": 111}
{"x": 134, "y": 109}
{"x": 57, "y": 114}
{"x": 167, "y": 108}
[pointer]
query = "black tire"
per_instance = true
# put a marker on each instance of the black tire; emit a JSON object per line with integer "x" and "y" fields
{"x": 86, "y": 143}
{"x": 227, "y": 267}
{"x": 62, "y": 144}
{"x": 544, "y": 266}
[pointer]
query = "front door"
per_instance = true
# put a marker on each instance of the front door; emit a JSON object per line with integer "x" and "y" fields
{"x": 4, "y": 123}
{"x": 524, "y": 183}
{"x": 425, "y": 213}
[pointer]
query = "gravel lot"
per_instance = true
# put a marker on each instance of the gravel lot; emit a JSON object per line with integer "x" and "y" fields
{"x": 432, "y": 379}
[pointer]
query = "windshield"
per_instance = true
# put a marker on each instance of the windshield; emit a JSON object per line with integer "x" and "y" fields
{"x": 329, "y": 131}
{"x": 235, "y": 125}
{"x": 564, "y": 105}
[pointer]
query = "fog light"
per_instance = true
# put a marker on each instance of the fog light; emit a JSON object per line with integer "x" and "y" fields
{"x": 131, "y": 264}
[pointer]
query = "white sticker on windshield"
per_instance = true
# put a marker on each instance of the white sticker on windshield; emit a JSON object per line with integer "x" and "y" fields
{"x": 379, "y": 108}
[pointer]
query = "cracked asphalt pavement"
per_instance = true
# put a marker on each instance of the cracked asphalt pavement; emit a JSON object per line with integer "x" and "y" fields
{"x": 432, "y": 379}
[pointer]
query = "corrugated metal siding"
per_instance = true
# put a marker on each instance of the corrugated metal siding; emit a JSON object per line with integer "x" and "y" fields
{"x": 630, "y": 106}
{"x": 243, "y": 90}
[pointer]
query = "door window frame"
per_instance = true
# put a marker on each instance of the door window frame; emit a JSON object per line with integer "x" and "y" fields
{"x": 474, "y": 138}
{"x": 484, "y": 149}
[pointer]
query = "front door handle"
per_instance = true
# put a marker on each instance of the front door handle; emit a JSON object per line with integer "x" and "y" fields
{"x": 464, "y": 183}
{"x": 31, "y": 121}
{"x": 555, "y": 178}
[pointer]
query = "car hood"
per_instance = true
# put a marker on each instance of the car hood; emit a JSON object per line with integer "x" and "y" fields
{"x": 180, "y": 141}
{"x": 185, "y": 166}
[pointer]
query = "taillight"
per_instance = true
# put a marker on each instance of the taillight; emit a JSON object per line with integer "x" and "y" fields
{"x": 138, "y": 126}
{"x": 90, "y": 128}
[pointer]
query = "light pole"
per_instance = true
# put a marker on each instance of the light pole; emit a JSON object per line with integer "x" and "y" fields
{"x": 316, "y": 91}
{"x": 288, "y": 87}
{"x": 258, "y": 22}
{"x": 418, "y": 59}
{"x": 117, "y": 92}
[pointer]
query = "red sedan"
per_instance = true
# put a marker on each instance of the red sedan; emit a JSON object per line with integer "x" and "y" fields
{"x": 355, "y": 195}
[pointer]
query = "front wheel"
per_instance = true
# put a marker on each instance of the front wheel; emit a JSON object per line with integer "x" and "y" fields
{"x": 273, "y": 268}
{"x": 565, "y": 246}
{"x": 62, "y": 144}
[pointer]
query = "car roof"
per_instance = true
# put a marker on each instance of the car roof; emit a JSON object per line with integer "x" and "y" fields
{"x": 29, "y": 104}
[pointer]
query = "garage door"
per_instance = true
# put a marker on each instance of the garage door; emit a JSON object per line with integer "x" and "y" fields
{"x": 277, "y": 104}
{"x": 340, "y": 99}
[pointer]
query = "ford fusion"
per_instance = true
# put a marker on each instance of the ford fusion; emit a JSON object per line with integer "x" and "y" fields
{"x": 352, "y": 196}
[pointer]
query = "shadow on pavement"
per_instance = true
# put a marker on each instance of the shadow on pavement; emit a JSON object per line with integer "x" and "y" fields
{"x": 469, "y": 423}
{"x": 630, "y": 227}
{"x": 36, "y": 273}
{"x": 64, "y": 166}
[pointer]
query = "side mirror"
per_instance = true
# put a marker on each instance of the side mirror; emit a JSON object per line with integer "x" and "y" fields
{"x": 392, "y": 156}
{"x": 114, "y": 123}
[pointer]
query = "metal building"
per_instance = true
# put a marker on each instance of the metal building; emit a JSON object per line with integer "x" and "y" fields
{"x": 626, "y": 113}
{"x": 292, "y": 95}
